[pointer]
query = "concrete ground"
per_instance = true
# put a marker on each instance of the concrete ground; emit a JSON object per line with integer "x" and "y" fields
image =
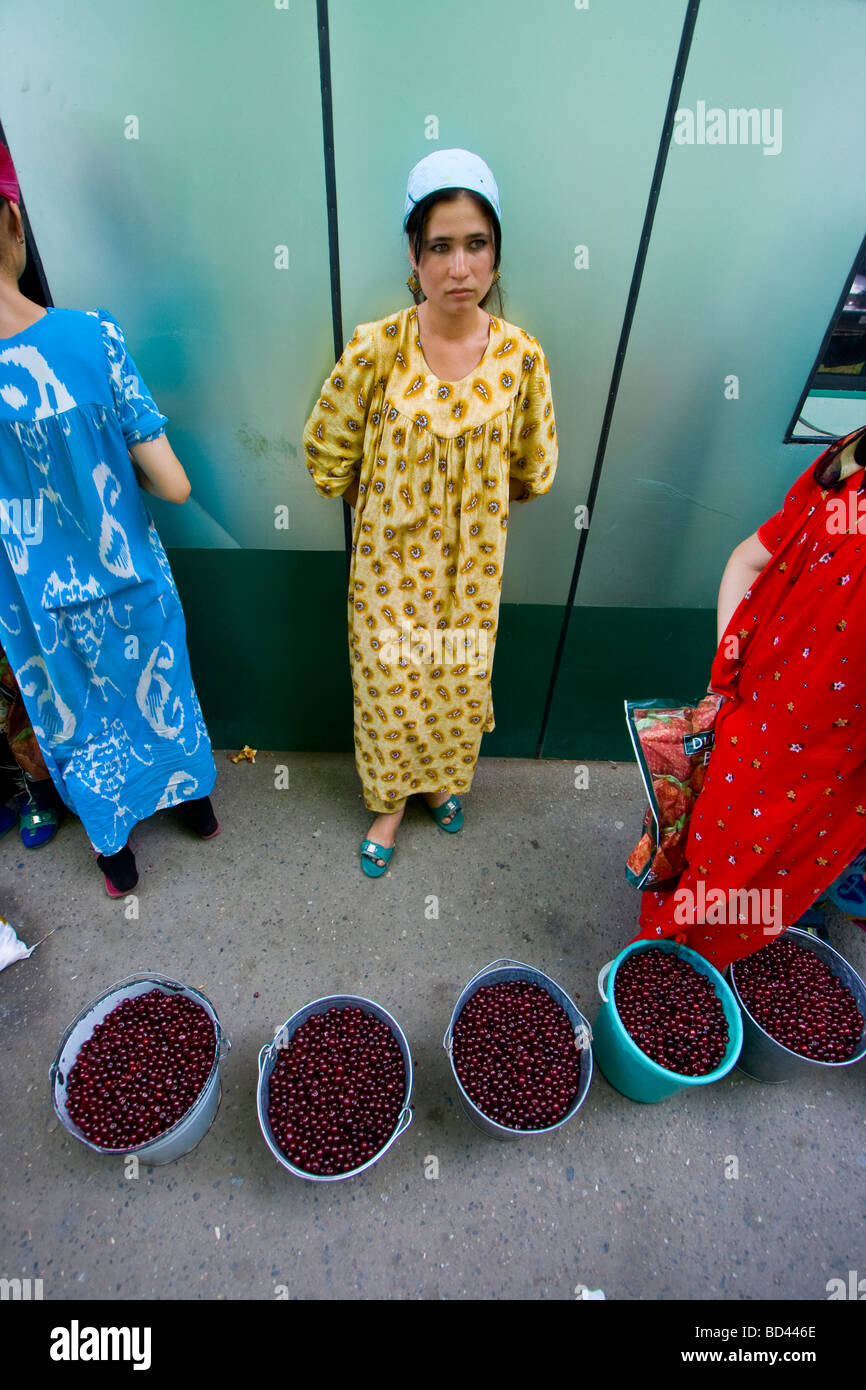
{"x": 635, "y": 1200}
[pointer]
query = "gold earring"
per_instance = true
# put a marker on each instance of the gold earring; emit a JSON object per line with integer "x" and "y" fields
{"x": 413, "y": 282}
{"x": 495, "y": 276}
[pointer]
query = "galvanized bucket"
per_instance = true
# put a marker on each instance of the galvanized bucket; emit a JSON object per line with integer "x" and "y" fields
{"x": 762, "y": 1057}
{"x": 500, "y": 972}
{"x": 191, "y": 1128}
{"x": 282, "y": 1038}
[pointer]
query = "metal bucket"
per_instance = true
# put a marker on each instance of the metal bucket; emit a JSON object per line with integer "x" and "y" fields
{"x": 186, "y": 1132}
{"x": 500, "y": 972}
{"x": 282, "y": 1038}
{"x": 625, "y": 1065}
{"x": 762, "y": 1057}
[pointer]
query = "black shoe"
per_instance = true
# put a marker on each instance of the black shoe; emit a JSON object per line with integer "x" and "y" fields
{"x": 121, "y": 874}
{"x": 199, "y": 817}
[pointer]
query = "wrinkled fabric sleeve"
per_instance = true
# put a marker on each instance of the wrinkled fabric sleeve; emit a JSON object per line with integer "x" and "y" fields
{"x": 534, "y": 451}
{"x": 805, "y": 489}
{"x": 334, "y": 433}
{"x": 139, "y": 417}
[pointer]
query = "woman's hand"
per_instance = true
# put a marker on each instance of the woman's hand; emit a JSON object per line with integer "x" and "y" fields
{"x": 351, "y": 493}
{"x": 741, "y": 571}
{"x": 160, "y": 471}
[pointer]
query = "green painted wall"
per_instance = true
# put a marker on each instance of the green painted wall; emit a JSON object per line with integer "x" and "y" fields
{"x": 268, "y": 659}
{"x": 207, "y": 236}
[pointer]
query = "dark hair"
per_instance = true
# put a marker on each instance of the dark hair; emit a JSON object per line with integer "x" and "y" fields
{"x": 415, "y": 233}
{"x": 5, "y": 260}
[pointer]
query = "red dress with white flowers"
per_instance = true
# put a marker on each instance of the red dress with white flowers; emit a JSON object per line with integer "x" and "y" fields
{"x": 783, "y": 807}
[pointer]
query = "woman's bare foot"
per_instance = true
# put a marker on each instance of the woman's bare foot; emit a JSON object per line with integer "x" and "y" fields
{"x": 384, "y": 829}
{"x": 438, "y": 799}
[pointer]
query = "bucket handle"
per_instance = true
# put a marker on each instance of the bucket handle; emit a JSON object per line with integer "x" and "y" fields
{"x": 225, "y": 1047}
{"x": 602, "y": 980}
{"x": 503, "y": 960}
{"x": 173, "y": 986}
{"x": 264, "y": 1054}
{"x": 403, "y": 1123}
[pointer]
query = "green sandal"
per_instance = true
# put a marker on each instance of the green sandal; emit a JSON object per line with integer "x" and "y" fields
{"x": 38, "y": 826}
{"x": 370, "y": 852}
{"x": 452, "y": 808}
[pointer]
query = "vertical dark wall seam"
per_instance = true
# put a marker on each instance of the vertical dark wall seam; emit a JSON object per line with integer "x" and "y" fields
{"x": 825, "y": 343}
{"x": 625, "y": 332}
{"x": 331, "y": 199}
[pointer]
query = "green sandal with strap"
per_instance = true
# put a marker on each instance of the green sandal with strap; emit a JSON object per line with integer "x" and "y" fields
{"x": 452, "y": 808}
{"x": 370, "y": 852}
{"x": 37, "y": 825}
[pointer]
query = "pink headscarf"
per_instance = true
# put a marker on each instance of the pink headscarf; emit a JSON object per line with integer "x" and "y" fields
{"x": 8, "y": 178}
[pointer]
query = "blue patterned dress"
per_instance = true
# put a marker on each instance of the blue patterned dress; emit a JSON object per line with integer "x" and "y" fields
{"x": 90, "y": 618}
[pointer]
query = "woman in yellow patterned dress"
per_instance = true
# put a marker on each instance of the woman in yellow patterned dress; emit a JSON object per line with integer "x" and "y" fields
{"x": 433, "y": 419}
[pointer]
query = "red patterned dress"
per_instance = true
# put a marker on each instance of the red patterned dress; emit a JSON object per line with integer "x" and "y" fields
{"x": 783, "y": 807}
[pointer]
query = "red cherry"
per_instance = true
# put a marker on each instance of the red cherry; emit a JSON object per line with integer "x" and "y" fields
{"x": 671, "y": 1011}
{"x": 339, "y": 1084}
{"x": 796, "y": 998}
{"x": 510, "y": 1031}
{"x": 141, "y": 1069}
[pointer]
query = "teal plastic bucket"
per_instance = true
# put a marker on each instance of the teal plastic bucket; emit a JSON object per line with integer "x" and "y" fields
{"x": 623, "y": 1063}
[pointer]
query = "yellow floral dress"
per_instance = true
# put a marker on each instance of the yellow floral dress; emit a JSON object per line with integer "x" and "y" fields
{"x": 433, "y": 460}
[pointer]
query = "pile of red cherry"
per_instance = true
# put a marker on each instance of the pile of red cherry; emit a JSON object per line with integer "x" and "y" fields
{"x": 141, "y": 1069}
{"x": 797, "y": 999}
{"x": 516, "y": 1056}
{"x": 336, "y": 1091}
{"x": 671, "y": 1011}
